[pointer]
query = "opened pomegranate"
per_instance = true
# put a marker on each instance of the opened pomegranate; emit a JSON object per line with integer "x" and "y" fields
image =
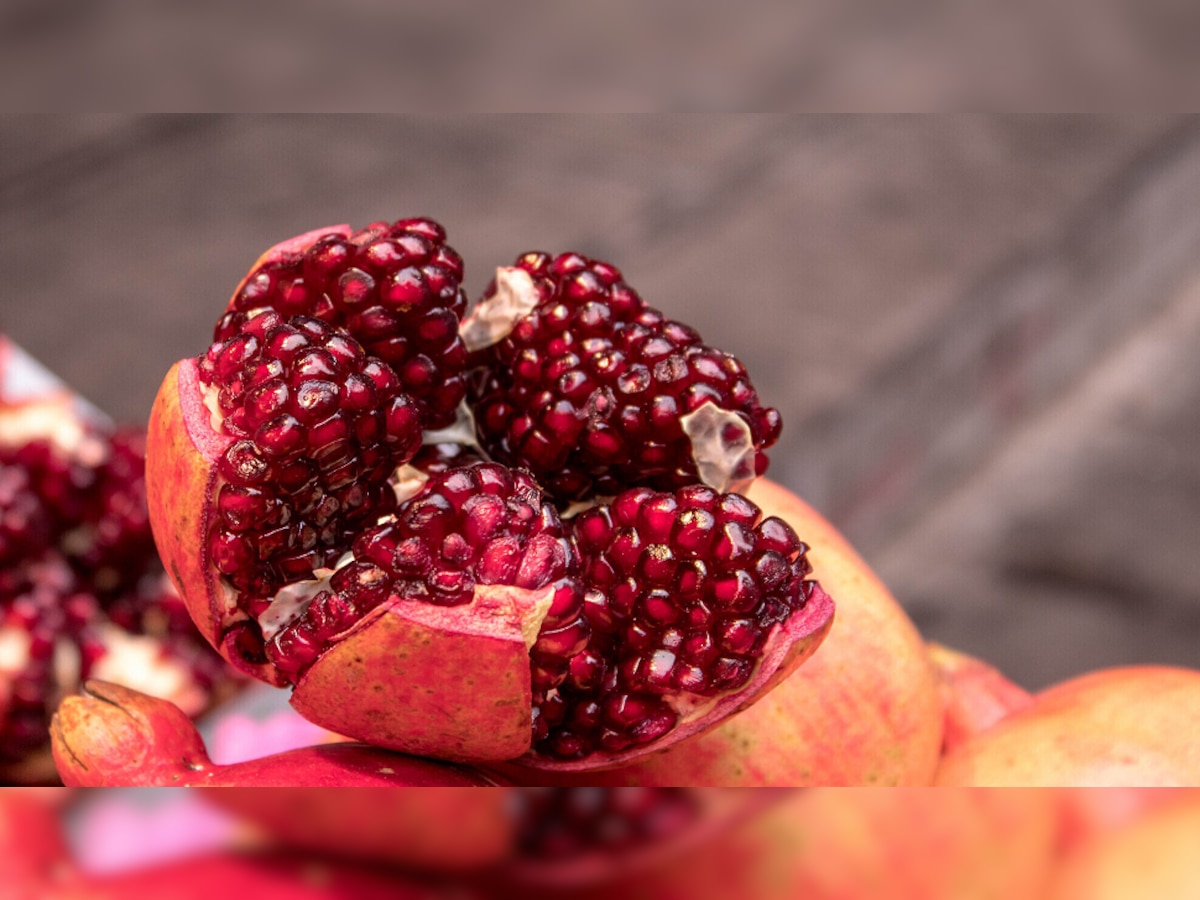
{"x": 441, "y": 603}
{"x": 82, "y": 591}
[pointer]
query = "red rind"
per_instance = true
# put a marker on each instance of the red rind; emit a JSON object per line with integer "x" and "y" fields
{"x": 451, "y": 682}
{"x": 182, "y": 451}
{"x": 1129, "y": 726}
{"x": 180, "y": 474}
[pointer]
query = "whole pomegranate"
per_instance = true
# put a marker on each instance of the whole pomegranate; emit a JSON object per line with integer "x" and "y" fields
{"x": 586, "y": 584}
{"x": 1123, "y": 727}
{"x": 1152, "y": 855}
{"x": 82, "y": 591}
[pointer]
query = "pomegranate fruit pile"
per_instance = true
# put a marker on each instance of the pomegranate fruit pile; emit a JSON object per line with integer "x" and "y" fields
{"x": 82, "y": 591}
{"x": 515, "y": 534}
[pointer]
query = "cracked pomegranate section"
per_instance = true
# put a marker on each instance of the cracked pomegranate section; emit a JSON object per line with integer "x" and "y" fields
{"x": 591, "y": 387}
{"x": 419, "y": 595}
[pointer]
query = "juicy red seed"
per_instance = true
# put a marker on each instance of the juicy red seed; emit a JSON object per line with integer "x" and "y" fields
{"x": 242, "y": 463}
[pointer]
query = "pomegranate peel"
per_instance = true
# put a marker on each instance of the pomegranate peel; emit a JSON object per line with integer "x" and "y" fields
{"x": 976, "y": 695}
{"x": 111, "y": 736}
{"x": 481, "y": 648}
{"x": 1130, "y": 726}
{"x": 182, "y": 450}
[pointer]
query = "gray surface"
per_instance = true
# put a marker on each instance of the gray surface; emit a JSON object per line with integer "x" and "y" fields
{"x": 917, "y": 296}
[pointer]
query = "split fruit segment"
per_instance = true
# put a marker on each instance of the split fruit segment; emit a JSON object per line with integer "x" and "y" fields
{"x": 422, "y": 588}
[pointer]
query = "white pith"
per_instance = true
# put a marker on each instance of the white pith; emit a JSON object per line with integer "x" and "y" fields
{"x": 15, "y": 644}
{"x": 724, "y": 465}
{"x": 53, "y": 421}
{"x": 493, "y": 319}
{"x": 140, "y": 662}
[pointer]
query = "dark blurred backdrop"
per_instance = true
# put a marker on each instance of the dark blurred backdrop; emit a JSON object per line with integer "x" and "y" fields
{"x": 981, "y": 331}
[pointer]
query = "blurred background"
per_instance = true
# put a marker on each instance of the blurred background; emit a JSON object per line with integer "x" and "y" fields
{"x": 981, "y": 331}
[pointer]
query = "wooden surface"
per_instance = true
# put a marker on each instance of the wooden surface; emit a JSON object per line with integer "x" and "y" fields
{"x": 947, "y": 311}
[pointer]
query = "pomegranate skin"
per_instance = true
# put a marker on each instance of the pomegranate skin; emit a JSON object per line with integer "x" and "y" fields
{"x": 1151, "y": 856}
{"x": 262, "y": 876}
{"x": 864, "y": 710}
{"x": 181, "y": 474}
{"x": 1124, "y": 727}
{"x": 111, "y": 736}
{"x": 450, "y": 682}
{"x": 437, "y": 829}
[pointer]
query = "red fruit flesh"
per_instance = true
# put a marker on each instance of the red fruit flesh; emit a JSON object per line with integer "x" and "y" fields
{"x": 111, "y": 736}
{"x": 589, "y": 389}
{"x": 452, "y": 621}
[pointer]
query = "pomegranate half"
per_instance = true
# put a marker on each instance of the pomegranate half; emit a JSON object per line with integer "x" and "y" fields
{"x": 457, "y": 606}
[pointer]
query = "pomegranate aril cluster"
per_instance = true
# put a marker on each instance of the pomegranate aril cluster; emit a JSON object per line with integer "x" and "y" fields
{"x": 319, "y": 425}
{"x": 565, "y": 823}
{"x": 681, "y": 592}
{"x": 469, "y": 526}
{"x": 589, "y": 389}
{"x": 76, "y": 554}
{"x": 396, "y": 288}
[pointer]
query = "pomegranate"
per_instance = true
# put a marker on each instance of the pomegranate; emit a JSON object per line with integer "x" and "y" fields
{"x": 112, "y": 736}
{"x": 1130, "y": 726}
{"x": 864, "y": 710}
{"x": 82, "y": 591}
{"x": 1090, "y": 813}
{"x": 1153, "y": 855}
{"x": 976, "y": 694}
{"x": 476, "y": 608}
